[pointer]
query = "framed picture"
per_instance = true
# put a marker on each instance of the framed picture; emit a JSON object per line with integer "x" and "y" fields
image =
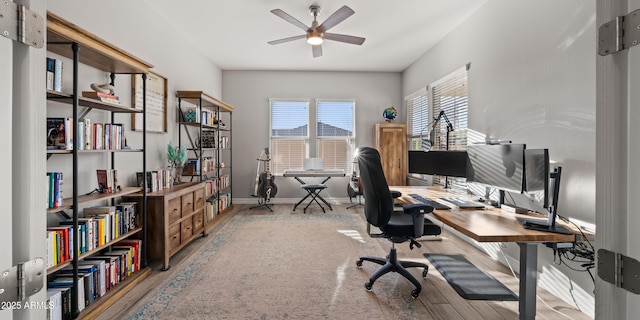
{"x": 157, "y": 87}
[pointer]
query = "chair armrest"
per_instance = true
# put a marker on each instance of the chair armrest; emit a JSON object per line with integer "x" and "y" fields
{"x": 395, "y": 194}
{"x": 417, "y": 209}
{"x": 417, "y": 212}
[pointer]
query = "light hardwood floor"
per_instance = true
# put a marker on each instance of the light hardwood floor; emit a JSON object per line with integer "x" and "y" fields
{"x": 437, "y": 294}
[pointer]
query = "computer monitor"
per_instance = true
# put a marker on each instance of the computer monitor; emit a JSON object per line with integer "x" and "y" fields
{"x": 552, "y": 209}
{"x": 497, "y": 165}
{"x": 536, "y": 175}
{"x": 451, "y": 163}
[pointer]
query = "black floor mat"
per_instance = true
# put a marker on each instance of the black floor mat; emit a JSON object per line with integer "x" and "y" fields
{"x": 469, "y": 281}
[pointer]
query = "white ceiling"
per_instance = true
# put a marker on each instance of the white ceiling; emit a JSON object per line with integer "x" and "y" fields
{"x": 234, "y": 33}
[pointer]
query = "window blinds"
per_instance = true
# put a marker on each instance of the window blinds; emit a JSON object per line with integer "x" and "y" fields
{"x": 450, "y": 95}
{"x": 289, "y": 134}
{"x": 335, "y": 133}
{"x": 417, "y": 119}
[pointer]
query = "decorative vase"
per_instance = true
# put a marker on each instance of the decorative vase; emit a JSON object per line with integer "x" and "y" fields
{"x": 177, "y": 174}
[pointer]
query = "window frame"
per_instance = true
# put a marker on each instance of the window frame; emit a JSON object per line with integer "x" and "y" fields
{"x": 305, "y": 139}
{"x": 458, "y": 138}
{"x": 350, "y": 140}
{"x": 312, "y": 139}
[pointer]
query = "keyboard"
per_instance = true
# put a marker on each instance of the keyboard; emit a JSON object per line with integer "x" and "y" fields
{"x": 434, "y": 204}
{"x": 464, "y": 204}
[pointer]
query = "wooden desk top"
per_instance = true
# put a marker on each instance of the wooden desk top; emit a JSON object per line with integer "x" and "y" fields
{"x": 488, "y": 225}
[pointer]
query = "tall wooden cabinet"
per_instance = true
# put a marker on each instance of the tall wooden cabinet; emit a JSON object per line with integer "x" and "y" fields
{"x": 390, "y": 139}
{"x": 86, "y": 50}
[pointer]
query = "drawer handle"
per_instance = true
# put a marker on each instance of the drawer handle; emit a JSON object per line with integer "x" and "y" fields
{"x": 175, "y": 209}
{"x": 189, "y": 203}
{"x": 175, "y": 237}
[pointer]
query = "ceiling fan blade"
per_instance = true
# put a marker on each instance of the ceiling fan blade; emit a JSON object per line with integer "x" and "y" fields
{"x": 336, "y": 17}
{"x": 290, "y": 19}
{"x": 317, "y": 51}
{"x": 283, "y": 40}
{"x": 344, "y": 38}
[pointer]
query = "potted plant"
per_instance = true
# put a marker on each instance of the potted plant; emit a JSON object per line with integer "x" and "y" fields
{"x": 176, "y": 158}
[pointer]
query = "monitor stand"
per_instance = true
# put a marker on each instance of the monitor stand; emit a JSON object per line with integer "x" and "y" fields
{"x": 550, "y": 224}
{"x": 541, "y": 225}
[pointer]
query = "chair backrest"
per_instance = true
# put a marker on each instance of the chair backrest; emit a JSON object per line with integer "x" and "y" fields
{"x": 378, "y": 203}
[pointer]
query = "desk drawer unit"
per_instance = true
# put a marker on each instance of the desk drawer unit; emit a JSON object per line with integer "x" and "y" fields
{"x": 174, "y": 217}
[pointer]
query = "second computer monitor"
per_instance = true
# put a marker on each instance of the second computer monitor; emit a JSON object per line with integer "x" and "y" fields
{"x": 499, "y": 165}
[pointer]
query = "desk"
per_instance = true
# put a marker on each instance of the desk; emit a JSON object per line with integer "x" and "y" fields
{"x": 300, "y": 173}
{"x": 494, "y": 225}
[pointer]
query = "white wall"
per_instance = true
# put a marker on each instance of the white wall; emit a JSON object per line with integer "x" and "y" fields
{"x": 249, "y": 93}
{"x": 134, "y": 27}
{"x": 532, "y": 80}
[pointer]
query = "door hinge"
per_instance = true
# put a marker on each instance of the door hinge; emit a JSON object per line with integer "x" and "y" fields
{"x": 619, "y": 270}
{"x": 21, "y": 281}
{"x": 21, "y": 24}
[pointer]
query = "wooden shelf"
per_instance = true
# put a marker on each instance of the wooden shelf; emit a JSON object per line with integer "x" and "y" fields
{"x": 197, "y": 125}
{"x": 96, "y": 52}
{"x": 90, "y": 103}
{"x": 202, "y": 99}
{"x": 61, "y": 265}
{"x": 58, "y": 151}
{"x": 101, "y": 304}
{"x": 95, "y": 197}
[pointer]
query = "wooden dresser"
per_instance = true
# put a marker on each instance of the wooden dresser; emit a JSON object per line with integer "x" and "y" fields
{"x": 174, "y": 217}
{"x": 391, "y": 141}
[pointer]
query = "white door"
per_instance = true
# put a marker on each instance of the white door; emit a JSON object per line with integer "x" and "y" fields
{"x": 617, "y": 162}
{"x": 5, "y": 162}
{"x": 23, "y": 159}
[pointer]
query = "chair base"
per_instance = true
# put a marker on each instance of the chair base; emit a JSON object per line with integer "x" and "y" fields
{"x": 392, "y": 264}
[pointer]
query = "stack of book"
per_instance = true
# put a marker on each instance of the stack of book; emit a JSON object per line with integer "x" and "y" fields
{"x": 104, "y": 97}
{"x": 54, "y": 74}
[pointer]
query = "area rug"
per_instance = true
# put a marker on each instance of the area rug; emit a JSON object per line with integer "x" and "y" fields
{"x": 282, "y": 267}
{"x": 469, "y": 282}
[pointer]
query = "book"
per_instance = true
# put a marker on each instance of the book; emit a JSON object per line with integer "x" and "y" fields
{"x": 56, "y": 133}
{"x": 68, "y": 137}
{"x": 95, "y": 94}
{"x": 57, "y": 75}
{"x": 54, "y": 301}
{"x": 50, "y": 73}
{"x": 104, "y": 97}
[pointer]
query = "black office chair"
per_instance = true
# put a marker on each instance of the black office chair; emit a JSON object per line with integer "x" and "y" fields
{"x": 396, "y": 226}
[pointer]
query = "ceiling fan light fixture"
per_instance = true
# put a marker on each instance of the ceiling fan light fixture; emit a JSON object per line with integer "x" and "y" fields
{"x": 314, "y": 38}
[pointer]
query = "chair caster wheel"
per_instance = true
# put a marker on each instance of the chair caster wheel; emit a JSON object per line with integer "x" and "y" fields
{"x": 359, "y": 264}
{"x": 368, "y": 286}
{"x": 415, "y": 293}
{"x": 424, "y": 273}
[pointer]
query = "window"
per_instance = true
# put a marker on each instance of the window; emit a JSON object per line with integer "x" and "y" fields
{"x": 335, "y": 133}
{"x": 417, "y": 119}
{"x": 289, "y": 134}
{"x": 450, "y": 95}
{"x": 292, "y": 140}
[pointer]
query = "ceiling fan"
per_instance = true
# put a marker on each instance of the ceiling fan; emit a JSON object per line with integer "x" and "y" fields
{"x": 317, "y": 33}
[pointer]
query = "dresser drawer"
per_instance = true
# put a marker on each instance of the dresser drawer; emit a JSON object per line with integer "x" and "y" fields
{"x": 173, "y": 211}
{"x": 187, "y": 204}
{"x": 199, "y": 199}
{"x": 187, "y": 229}
{"x": 198, "y": 222}
{"x": 174, "y": 236}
